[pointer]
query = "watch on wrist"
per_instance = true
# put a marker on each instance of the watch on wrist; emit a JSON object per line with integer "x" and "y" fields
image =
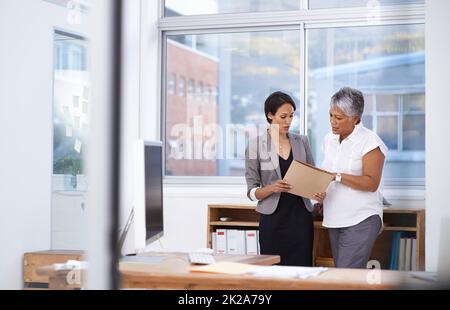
{"x": 338, "y": 177}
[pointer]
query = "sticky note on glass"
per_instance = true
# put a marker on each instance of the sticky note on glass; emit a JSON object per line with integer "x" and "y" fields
{"x": 69, "y": 131}
{"x": 77, "y": 146}
{"x": 76, "y": 101}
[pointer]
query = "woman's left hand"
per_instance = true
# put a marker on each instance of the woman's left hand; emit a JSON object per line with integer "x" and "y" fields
{"x": 320, "y": 197}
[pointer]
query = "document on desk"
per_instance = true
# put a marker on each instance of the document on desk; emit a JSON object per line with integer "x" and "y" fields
{"x": 286, "y": 272}
{"x": 223, "y": 267}
{"x": 306, "y": 180}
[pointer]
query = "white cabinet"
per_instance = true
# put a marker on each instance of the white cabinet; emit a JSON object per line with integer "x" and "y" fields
{"x": 68, "y": 230}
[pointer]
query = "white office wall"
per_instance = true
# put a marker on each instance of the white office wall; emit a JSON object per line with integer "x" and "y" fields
{"x": 185, "y": 214}
{"x": 437, "y": 128}
{"x": 26, "y": 129}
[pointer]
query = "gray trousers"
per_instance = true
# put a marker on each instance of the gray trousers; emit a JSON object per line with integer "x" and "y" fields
{"x": 351, "y": 246}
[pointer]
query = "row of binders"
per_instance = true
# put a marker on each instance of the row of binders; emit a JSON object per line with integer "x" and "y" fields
{"x": 234, "y": 241}
{"x": 403, "y": 254}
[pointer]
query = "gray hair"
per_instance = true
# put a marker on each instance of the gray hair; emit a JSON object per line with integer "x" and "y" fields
{"x": 350, "y": 101}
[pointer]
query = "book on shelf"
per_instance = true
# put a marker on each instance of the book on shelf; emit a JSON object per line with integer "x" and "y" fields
{"x": 394, "y": 250}
{"x": 251, "y": 242}
{"x": 214, "y": 241}
{"x": 221, "y": 241}
{"x": 235, "y": 241}
{"x": 408, "y": 254}
{"x": 403, "y": 252}
{"x": 413, "y": 255}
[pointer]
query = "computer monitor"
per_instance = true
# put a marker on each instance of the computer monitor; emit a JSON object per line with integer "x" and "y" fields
{"x": 153, "y": 157}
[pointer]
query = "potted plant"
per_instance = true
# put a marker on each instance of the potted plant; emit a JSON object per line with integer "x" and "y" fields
{"x": 70, "y": 166}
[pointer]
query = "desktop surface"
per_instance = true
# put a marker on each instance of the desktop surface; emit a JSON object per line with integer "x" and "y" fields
{"x": 174, "y": 273}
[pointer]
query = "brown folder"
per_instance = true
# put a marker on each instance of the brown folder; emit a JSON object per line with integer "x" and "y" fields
{"x": 306, "y": 180}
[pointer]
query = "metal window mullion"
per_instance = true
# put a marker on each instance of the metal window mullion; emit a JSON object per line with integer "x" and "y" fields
{"x": 303, "y": 81}
{"x": 400, "y": 123}
{"x": 405, "y": 13}
{"x": 162, "y": 94}
{"x": 414, "y": 113}
{"x": 375, "y": 114}
{"x": 343, "y": 24}
{"x": 304, "y": 4}
{"x": 230, "y": 30}
{"x": 387, "y": 113}
{"x": 161, "y": 8}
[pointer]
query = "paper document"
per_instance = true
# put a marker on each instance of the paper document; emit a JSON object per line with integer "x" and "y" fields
{"x": 286, "y": 271}
{"x": 224, "y": 267}
{"x": 71, "y": 264}
{"x": 306, "y": 180}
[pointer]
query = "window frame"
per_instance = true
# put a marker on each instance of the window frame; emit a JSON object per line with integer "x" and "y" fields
{"x": 301, "y": 20}
{"x": 399, "y": 154}
{"x": 55, "y": 60}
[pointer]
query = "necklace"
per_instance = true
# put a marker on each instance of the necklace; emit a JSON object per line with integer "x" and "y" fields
{"x": 280, "y": 146}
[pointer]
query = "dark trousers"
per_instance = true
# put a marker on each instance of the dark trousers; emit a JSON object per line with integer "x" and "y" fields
{"x": 352, "y": 246}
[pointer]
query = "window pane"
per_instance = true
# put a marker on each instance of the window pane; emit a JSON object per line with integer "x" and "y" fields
{"x": 387, "y": 130}
{"x": 368, "y": 105}
{"x": 200, "y": 90}
{"x": 196, "y": 7}
{"x": 181, "y": 86}
{"x": 326, "y": 4}
{"x": 414, "y": 133}
{"x": 191, "y": 88}
{"x": 70, "y": 112}
{"x": 234, "y": 73}
{"x": 387, "y": 64}
{"x": 414, "y": 103}
{"x": 367, "y": 121}
{"x": 387, "y": 103}
{"x": 171, "y": 84}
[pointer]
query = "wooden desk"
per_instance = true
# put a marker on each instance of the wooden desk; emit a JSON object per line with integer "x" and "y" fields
{"x": 171, "y": 262}
{"x": 33, "y": 261}
{"x": 174, "y": 273}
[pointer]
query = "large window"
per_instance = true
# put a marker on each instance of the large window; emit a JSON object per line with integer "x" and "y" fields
{"x": 70, "y": 112}
{"x": 227, "y": 71}
{"x": 387, "y": 64}
{"x": 229, "y": 75}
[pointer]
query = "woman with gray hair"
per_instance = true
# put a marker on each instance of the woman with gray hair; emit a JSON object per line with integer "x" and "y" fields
{"x": 352, "y": 209}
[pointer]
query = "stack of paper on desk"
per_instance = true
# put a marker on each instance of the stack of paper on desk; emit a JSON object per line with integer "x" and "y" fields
{"x": 261, "y": 271}
{"x": 306, "y": 180}
{"x": 71, "y": 264}
{"x": 286, "y": 271}
{"x": 224, "y": 267}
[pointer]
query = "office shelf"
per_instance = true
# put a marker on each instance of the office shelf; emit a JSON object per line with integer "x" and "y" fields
{"x": 407, "y": 220}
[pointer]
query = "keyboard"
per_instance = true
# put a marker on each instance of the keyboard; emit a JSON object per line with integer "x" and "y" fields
{"x": 201, "y": 259}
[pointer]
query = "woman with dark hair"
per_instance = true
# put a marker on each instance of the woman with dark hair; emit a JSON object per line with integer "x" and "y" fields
{"x": 286, "y": 223}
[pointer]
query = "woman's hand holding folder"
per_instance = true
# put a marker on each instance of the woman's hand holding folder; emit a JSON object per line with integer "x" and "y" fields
{"x": 280, "y": 186}
{"x": 320, "y": 197}
{"x": 276, "y": 187}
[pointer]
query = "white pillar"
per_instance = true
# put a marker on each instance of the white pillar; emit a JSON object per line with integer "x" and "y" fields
{"x": 437, "y": 52}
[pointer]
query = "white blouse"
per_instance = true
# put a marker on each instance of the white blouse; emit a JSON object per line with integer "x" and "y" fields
{"x": 344, "y": 206}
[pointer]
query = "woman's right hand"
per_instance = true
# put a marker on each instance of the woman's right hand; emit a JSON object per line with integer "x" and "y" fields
{"x": 280, "y": 186}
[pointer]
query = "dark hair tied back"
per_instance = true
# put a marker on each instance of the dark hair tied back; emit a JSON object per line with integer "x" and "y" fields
{"x": 275, "y": 101}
